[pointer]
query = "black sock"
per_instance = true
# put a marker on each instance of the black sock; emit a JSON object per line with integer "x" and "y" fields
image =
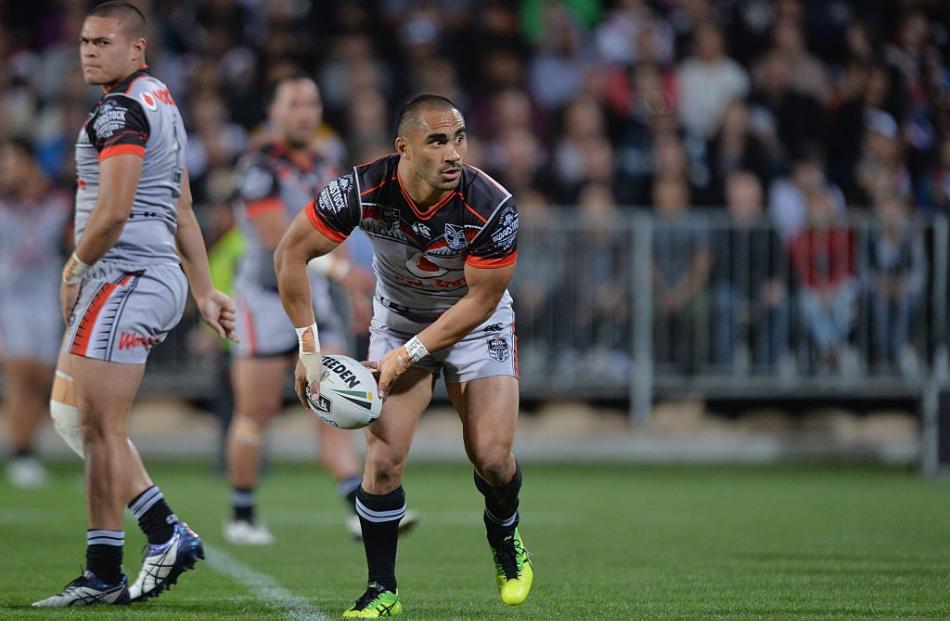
{"x": 22, "y": 453}
{"x": 154, "y": 515}
{"x": 104, "y": 554}
{"x": 348, "y": 487}
{"x": 242, "y": 501}
{"x": 501, "y": 505}
{"x": 379, "y": 517}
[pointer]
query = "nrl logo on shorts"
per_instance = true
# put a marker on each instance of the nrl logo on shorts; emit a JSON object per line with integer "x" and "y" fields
{"x": 455, "y": 237}
{"x": 498, "y": 349}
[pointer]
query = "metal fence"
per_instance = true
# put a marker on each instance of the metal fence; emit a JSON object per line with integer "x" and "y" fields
{"x": 637, "y": 306}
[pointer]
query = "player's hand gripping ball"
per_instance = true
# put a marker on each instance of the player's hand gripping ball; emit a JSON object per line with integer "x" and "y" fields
{"x": 349, "y": 398}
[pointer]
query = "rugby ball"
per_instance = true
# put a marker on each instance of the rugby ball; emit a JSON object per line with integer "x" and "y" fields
{"x": 349, "y": 398}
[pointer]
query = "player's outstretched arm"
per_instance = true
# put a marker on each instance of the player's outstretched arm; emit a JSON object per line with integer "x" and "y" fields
{"x": 485, "y": 289}
{"x": 118, "y": 180}
{"x": 217, "y": 309}
{"x": 299, "y": 244}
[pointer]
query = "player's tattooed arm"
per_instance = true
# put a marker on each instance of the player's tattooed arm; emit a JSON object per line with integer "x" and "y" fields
{"x": 217, "y": 309}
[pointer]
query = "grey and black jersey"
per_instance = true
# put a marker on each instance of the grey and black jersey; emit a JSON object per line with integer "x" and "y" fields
{"x": 420, "y": 254}
{"x": 137, "y": 116}
{"x": 272, "y": 179}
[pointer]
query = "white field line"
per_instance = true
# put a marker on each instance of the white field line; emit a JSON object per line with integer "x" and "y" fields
{"x": 442, "y": 518}
{"x": 264, "y": 587}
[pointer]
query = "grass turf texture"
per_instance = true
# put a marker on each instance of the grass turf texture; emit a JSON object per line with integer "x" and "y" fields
{"x": 609, "y": 542}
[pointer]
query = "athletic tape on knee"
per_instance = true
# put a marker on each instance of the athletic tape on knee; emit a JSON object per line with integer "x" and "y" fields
{"x": 248, "y": 430}
{"x": 66, "y": 423}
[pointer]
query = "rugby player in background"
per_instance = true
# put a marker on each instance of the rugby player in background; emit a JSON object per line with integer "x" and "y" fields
{"x": 445, "y": 238}
{"x": 33, "y": 219}
{"x": 138, "y": 247}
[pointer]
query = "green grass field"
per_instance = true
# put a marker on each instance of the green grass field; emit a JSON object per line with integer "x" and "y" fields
{"x": 609, "y": 542}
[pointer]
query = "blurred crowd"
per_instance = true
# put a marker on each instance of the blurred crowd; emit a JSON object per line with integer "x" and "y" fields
{"x": 791, "y": 112}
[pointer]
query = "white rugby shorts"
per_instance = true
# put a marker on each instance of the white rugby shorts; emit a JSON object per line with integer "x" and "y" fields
{"x": 122, "y": 312}
{"x": 488, "y": 350}
{"x": 265, "y": 330}
{"x": 31, "y": 325}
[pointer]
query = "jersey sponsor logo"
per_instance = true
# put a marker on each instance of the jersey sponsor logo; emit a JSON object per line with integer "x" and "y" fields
{"x": 390, "y": 218}
{"x": 129, "y": 340}
{"x": 421, "y": 230}
{"x": 333, "y": 198}
{"x": 345, "y": 182}
{"x": 109, "y": 119}
{"x": 495, "y": 327}
{"x": 498, "y": 348}
{"x": 164, "y": 96}
{"x": 455, "y": 236}
{"x": 504, "y": 238}
{"x": 422, "y": 267}
{"x": 148, "y": 100}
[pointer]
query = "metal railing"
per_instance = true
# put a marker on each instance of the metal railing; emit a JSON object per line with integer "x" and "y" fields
{"x": 637, "y": 307}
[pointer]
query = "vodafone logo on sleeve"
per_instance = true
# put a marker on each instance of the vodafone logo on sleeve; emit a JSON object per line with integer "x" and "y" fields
{"x": 148, "y": 100}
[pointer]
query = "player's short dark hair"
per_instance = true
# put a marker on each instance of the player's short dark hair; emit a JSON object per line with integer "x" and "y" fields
{"x": 131, "y": 18}
{"x": 294, "y": 75}
{"x": 410, "y": 112}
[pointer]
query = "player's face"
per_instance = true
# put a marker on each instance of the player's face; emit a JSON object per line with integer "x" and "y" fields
{"x": 107, "y": 52}
{"x": 297, "y": 111}
{"x": 436, "y": 148}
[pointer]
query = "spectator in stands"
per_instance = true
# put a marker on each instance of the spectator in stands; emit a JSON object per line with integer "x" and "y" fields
{"x": 737, "y": 147}
{"x": 681, "y": 265}
{"x": 708, "y": 81}
{"x": 632, "y": 31}
{"x": 583, "y": 139}
{"x": 788, "y": 197}
{"x": 823, "y": 257}
{"x": 846, "y": 127}
{"x": 556, "y": 71}
{"x": 750, "y": 296}
{"x": 881, "y": 170}
{"x": 214, "y": 143}
{"x": 537, "y": 283}
{"x": 808, "y": 75}
{"x": 897, "y": 265}
{"x": 934, "y": 191}
{"x": 367, "y": 122}
{"x": 647, "y": 107}
{"x": 601, "y": 272}
{"x": 516, "y": 158}
{"x": 797, "y": 116}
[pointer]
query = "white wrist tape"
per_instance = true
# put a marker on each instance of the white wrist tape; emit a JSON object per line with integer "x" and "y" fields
{"x": 417, "y": 351}
{"x": 309, "y": 350}
{"x": 341, "y": 267}
{"x": 321, "y": 265}
{"x": 331, "y": 266}
{"x": 75, "y": 270}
